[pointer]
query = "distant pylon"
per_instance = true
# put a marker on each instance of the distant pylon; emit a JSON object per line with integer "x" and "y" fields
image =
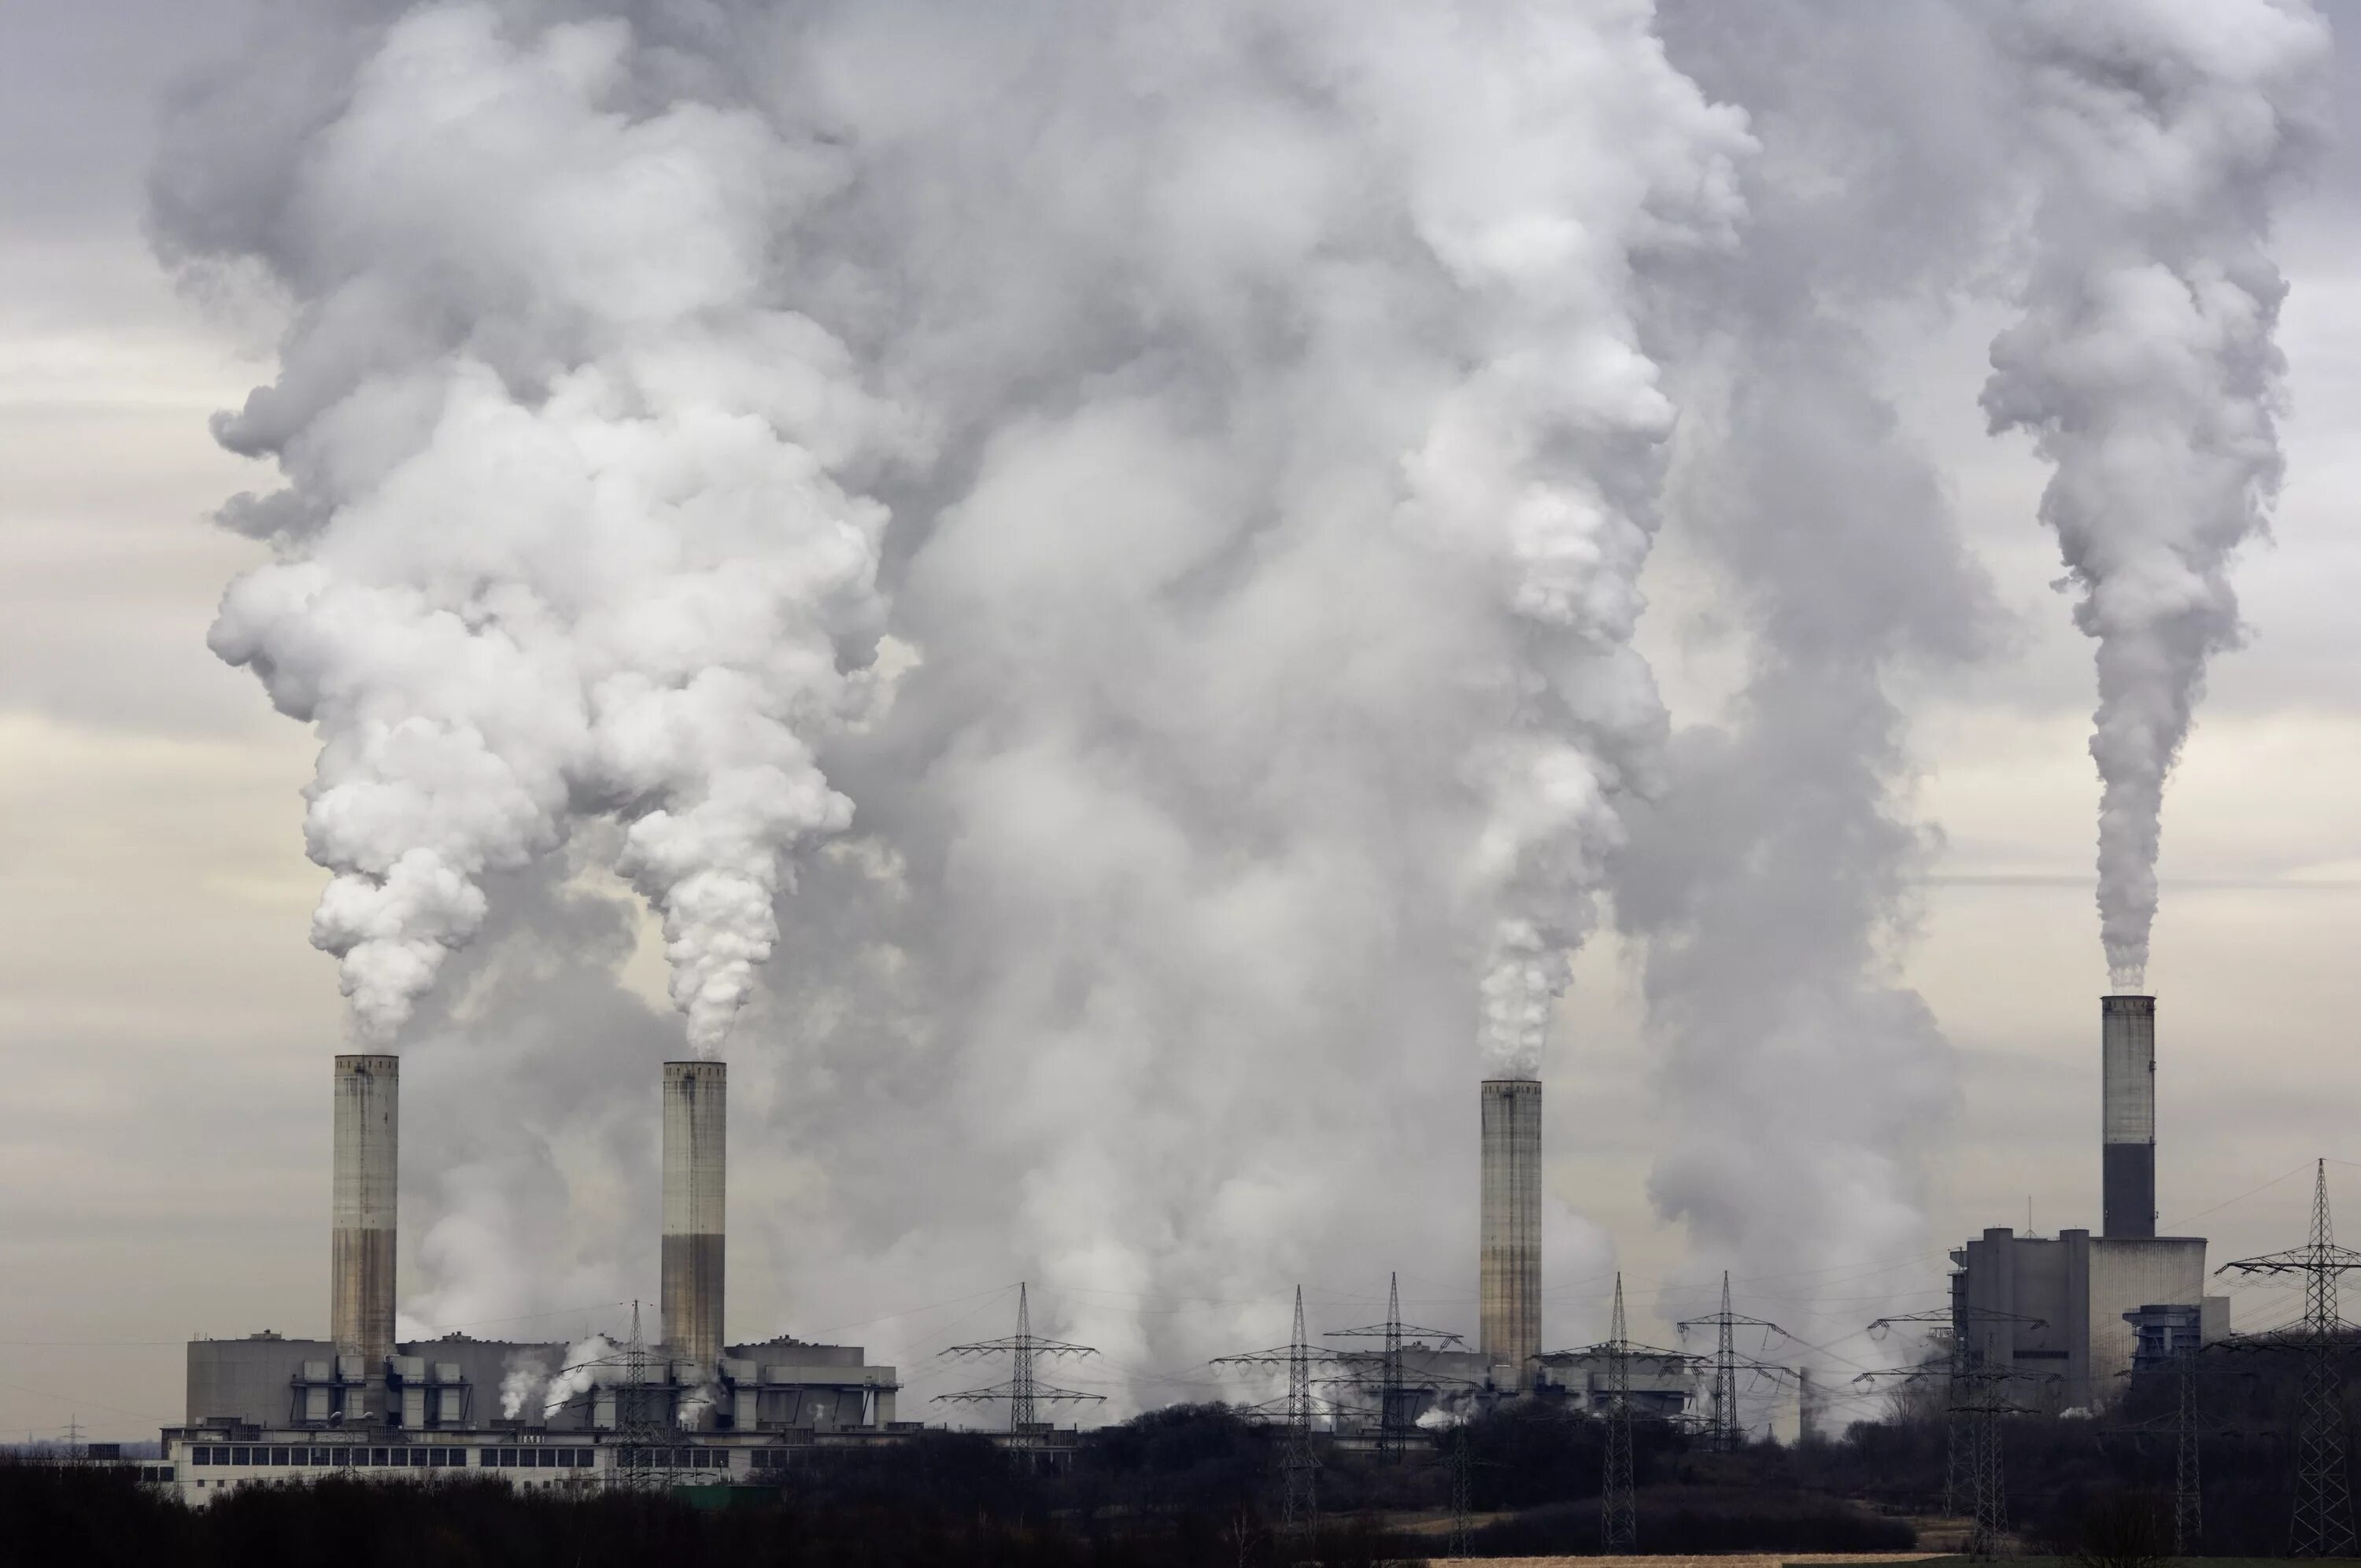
{"x": 1024, "y": 1392}
{"x": 1976, "y": 1398}
{"x": 1462, "y": 1492}
{"x": 1724, "y": 1430}
{"x": 644, "y": 1444}
{"x": 1301, "y": 1513}
{"x": 1395, "y": 1419}
{"x": 2188, "y": 1495}
{"x": 1618, "y": 1519}
{"x": 2323, "y": 1525}
{"x": 1298, "y": 1461}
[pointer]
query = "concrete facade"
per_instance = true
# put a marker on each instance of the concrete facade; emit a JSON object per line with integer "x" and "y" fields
{"x": 2127, "y": 1117}
{"x": 696, "y": 1184}
{"x": 2080, "y": 1287}
{"x": 269, "y": 1410}
{"x": 1458, "y": 1382}
{"x": 1509, "y": 1333}
{"x": 361, "y": 1238}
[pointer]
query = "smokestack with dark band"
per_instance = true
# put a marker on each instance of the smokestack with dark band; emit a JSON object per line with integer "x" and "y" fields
{"x": 1510, "y": 1264}
{"x": 696, "y": 1162}
{"x": 2127, "y": 1067}
{"x": 360, "y": 1261}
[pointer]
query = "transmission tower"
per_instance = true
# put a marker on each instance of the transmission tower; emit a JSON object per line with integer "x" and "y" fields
{"x": 2188, "y": 1499}
{"x": 1024, "y": 1393}
{"x": 1396, "y": 1420}
{"x": 1301, "y": 1513}
{"x": 1298, "y": 1463}
{"x": 1619, "y": 1508}
{"x": 2323, "y": 1494}
{"x": 644, "y": 1441}
{"x": 1618, "y": 1519}
{"x": 1976, "y": 1396}
{"x": 1463, "y": 1493}
{"x": 1724, "y": 1431}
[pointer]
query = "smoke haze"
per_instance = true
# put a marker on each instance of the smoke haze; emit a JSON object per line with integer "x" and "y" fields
{"x": 1084, "y": 561}
{"x": 2144, "y": 364}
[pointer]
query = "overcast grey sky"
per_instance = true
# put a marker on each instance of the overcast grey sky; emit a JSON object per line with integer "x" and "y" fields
{"x": 165, "y": 1026}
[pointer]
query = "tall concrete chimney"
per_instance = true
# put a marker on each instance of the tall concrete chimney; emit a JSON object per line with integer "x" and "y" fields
{"x": 1509, "y": 1264}
{"x": 360, "y": 1247}
{"x": 2127, "y": 1119}
{"x": 695, "y": 1176}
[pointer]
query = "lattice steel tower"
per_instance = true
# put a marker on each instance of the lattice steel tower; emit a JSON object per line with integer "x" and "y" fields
{"x": 1023, "y": 1391}
{"x": 1618, "y": 1518}
{"x": 1975, "y": 1397}
{"x": 2323, "y": 1525}
{"x": 644, "y": 1441}
{"x": 1396, "y": 1422}
{"x": 1724, "y": 1431}
{"x": 1299, "y": 1465}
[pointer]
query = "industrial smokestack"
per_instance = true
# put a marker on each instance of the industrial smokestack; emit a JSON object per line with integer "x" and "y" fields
{"x": 696, "y": 1163}
{"x": 2127, "y": 1089}
{"x": 1510, "y": 1262}
{"x": 360, "y": 1249}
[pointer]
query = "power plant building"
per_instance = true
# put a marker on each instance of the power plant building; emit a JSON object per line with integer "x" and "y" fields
{"x": 2070, "y": 1312}
{"x": 270, "y": 1409}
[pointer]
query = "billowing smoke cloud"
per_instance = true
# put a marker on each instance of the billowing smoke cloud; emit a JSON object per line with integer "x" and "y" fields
{"x": 525, "y": 1381}
{"x": 563, "y": 533}
{"x": 2144, "y": 365}
{"x": 1277, "y": 699}
{"x": 1772, "y": 884}
{"x": 590, "y": 1363}
{"x": 1264, "y": 403}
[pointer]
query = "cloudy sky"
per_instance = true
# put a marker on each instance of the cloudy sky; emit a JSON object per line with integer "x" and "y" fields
{"x": 166, "y": 1027}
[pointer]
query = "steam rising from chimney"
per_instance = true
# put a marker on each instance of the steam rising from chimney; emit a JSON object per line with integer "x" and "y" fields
{"x": 2144, "y": 365}
{"x": 563, "y": 533}
{"x": 1266, "y": 401}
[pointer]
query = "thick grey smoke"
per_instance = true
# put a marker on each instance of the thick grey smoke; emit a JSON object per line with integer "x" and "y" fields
{"x": 2144, "y": 365}
{"x": 1772, "y": 885}
{"x": 562, "y": 534}
{"x": 1263, "y": 402}
{"x": 1273, "y": 598}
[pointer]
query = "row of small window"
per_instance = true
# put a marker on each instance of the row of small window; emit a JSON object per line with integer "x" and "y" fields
{"x": 680, "y": 1458}
{"x": 397, "y": 1458}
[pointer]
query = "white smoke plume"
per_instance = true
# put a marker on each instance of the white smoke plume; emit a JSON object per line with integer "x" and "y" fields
{"x": 593, "y": 1363}
{"x": 526, "y": 1380}
{"x": 562, "y": 534}
{"x": 1265, "y": 404}
{"x": 2144, "y": 365}
{"x": 1772, "y": 884}
{"x": 694, "y": 1405}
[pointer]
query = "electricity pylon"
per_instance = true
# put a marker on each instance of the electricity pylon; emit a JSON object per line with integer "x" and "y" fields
{"x": 1024, "y": 1392}
{"x": 1298, "y": 1466}
{"x": 1619, "y": 1506}
{"x": 644, "y": 1443}
{"x": 1975, "y": 1397}
{"x": 1724, "y": 1431}
{"x": 1618, "y": 1515}
{"x": 2323, "y": 1525}
{"x": 1395, "y": 1419}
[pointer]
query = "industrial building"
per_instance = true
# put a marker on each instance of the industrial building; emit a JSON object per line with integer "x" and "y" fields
{"x": 689, "y": 1406}
{"x": 2071, "y": 1311}
{"x": 1508, "y": 1362}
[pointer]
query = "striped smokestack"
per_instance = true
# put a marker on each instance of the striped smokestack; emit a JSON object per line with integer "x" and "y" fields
{"x": 695, "y": 1163}
{"x": 360, "y": 1246}
{"x": 2127, "y": 1119}
{"x": 1510, "y": 1265}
